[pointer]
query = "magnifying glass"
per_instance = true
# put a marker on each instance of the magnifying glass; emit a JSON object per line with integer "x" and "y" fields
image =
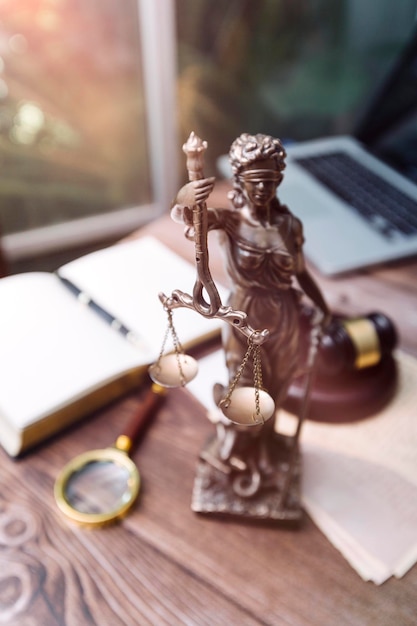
{"x": 100, "y": 486}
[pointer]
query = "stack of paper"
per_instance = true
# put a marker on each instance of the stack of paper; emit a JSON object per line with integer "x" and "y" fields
{"x": 359, "y": 479}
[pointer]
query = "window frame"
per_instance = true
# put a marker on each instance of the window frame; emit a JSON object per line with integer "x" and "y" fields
{"x": 158, "y": 58}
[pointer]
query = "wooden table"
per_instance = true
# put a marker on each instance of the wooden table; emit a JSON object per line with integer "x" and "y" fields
{"x": 163, "y": 564}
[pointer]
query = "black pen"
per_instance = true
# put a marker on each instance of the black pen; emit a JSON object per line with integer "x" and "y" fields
{"x": 115, "y": 323}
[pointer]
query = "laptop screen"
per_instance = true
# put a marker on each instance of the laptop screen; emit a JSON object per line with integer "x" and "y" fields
{"x": 389, "y": 126}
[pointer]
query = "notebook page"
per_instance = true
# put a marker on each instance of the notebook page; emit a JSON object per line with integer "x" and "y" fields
{"x": 53, "y": 348}
{"x": 126, "y": 279}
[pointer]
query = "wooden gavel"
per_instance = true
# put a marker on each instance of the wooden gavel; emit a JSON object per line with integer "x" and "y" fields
{"x": 353, "y": 343}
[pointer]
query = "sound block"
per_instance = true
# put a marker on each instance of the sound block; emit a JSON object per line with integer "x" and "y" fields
{"x": 348, "y": 397}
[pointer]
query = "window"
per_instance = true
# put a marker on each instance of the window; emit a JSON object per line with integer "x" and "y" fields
{"x": 89, "y": 92}
{"x": 85, "y": 119}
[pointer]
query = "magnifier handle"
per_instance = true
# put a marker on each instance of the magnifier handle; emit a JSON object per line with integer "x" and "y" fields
{"x": 148, "y": 408}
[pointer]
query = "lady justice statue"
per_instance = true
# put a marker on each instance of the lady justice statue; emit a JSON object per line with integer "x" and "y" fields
{"x": 250, "y": 469}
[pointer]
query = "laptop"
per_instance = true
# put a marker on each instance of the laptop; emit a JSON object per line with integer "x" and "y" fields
{"x": 357, "y": 195}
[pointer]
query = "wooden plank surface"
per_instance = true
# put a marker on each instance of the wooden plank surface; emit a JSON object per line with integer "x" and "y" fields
{"x": 165, "y": 565}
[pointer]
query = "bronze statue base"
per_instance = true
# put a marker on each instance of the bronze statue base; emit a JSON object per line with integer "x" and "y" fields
{"x": 214, "y": 493}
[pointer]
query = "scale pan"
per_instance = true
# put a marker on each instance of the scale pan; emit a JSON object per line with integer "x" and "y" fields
{"x": 173, "y": 370}
{"x": 242, "y": 407}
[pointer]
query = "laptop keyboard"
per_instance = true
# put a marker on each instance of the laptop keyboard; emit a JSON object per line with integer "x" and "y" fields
{"x": 385, "y": 207}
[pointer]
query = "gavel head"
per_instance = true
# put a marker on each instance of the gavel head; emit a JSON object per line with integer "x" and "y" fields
{"x": 353, "y": 343}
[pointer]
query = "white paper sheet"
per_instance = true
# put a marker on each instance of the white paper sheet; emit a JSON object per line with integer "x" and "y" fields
{"x": 359, "y": 479}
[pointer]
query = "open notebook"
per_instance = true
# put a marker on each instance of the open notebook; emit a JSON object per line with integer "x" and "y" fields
{"x": 72, "y": 341}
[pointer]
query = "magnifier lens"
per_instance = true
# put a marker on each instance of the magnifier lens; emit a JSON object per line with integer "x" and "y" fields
{"x": 97, "y": 487}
